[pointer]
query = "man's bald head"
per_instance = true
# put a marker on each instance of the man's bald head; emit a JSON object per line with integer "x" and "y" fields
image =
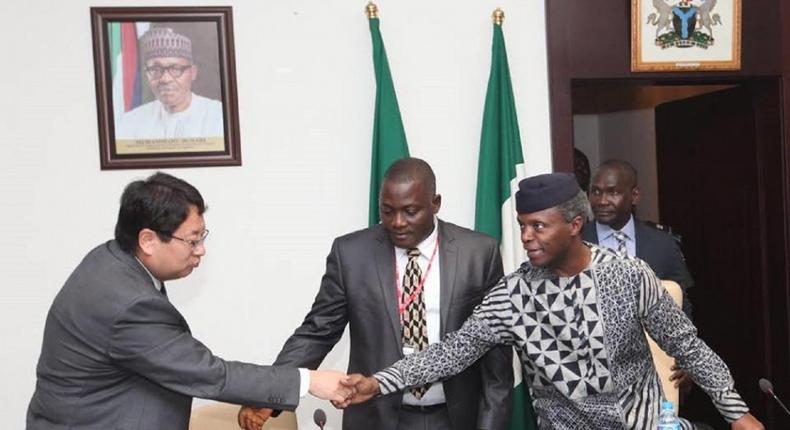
{"x": 408, "y": 202}
{"x": 614, "y": 192}
{"x": 412, "y": 170}
{"x": 626, "y": 171}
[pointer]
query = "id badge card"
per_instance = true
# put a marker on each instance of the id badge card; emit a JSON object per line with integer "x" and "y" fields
{"x": 408, "y": 350}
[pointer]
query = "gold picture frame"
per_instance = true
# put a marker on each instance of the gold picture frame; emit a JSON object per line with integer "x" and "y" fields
{"x": 685, "y": 35}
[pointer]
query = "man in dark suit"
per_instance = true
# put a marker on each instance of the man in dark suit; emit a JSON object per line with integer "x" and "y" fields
{"x": 118, "y": 355}
{"x": 372, "y": 285}
{"x": 613, "y": 194}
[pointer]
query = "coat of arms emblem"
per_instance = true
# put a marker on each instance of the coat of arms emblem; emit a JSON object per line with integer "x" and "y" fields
{"x": 684, "y": 24}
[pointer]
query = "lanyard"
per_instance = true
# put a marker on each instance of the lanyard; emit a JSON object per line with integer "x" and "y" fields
{"x": 403, "y": 303}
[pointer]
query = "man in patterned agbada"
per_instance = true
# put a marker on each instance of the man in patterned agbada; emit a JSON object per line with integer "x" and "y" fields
{"x": 577, "y": 315}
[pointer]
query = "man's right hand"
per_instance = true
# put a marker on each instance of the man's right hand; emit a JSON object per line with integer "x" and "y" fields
{"x": 365, "y": 387}
{"x": 253, "y": 419}
{"x": 681, "y": 379}
{"x": 326, "y": 384}
{"x": 747, "y": 422}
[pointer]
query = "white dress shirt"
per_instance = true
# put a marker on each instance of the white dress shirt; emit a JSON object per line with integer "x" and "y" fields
{"x": 431, "y": 297}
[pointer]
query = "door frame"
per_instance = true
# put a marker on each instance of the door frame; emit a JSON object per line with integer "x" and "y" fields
{"x": 590, "y": 40}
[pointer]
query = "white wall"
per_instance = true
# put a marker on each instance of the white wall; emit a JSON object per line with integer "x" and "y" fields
{"x": 631, "y": 135}
{"x": 587, "y": 137}
{"x": 305, "y": 82}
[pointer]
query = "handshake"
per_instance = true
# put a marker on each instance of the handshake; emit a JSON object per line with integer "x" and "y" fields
{"x": 340, "y": 389}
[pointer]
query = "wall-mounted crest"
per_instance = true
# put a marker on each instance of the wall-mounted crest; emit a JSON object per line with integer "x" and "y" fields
{"x": 688, "y": 35}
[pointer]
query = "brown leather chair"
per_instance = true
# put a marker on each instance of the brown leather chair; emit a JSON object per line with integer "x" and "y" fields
{"x": 222, "y": 416}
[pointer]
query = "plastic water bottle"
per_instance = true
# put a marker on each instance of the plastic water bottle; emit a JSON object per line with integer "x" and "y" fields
{"x": 667, "y": 420}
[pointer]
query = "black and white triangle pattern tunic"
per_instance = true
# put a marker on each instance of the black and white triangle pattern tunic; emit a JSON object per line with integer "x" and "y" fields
{"x": 582, "y": 345}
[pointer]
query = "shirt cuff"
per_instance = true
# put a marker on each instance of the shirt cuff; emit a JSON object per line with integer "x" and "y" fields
{"x": 730, "y": 405}
{"x": 304, "y": 382}
{"x": 388, "y": 382}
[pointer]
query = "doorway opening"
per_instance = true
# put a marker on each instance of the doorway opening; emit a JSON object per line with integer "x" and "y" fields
{"x": 710, "y": 160}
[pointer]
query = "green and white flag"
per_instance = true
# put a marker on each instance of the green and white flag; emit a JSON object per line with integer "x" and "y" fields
{"x": 125, "y": 66}
{"x": 501, "y": 163}
{"x": 500, "y": 167}
{"x": 389, "y": 138}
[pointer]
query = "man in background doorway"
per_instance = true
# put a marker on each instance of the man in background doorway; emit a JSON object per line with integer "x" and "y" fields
{"x": 614, "y": 192}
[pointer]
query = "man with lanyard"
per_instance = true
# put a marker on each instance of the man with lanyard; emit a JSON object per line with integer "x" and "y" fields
{"x": 401, "y": 285}
{"x": 577, "y": 314}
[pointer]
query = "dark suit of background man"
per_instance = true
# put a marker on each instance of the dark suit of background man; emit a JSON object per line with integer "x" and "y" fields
{"x": 359, "y": 289}
{"x": 613, "y": 194}
{"x": 118, "y": 355}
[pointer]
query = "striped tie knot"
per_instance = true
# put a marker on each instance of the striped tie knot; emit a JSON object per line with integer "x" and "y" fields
{"x": 620, "y": 237}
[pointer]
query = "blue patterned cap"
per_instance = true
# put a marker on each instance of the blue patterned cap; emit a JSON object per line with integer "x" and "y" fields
{"x": 540, "y": 192}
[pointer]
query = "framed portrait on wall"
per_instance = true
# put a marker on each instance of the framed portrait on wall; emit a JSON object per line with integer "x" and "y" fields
{"x": 165, "y": 87}
{"x": 685, "y": 35}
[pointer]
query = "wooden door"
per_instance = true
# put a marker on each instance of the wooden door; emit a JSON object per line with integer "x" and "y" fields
{"x": 720, "y": 183}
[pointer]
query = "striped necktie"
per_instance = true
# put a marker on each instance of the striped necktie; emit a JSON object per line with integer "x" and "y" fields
{"x": 414, "y": 329}
{"x": 620, "y": 237}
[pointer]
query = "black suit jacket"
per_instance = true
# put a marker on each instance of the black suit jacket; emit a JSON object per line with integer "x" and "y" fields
{"x": 660, "y": 251}
{"x": 358, "y": 289}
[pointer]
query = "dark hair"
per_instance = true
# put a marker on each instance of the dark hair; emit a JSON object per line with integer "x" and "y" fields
{"x": 160, "y": 203}
{"x": 581, "y": 168}
{"x": 409, "y": 170}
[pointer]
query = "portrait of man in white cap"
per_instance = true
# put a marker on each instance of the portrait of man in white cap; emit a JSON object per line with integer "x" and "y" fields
{"x": 176, "y": 112}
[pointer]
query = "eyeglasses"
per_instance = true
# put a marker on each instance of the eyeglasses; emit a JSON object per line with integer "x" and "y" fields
{"x": 193, "y": 243}
{"x": 174, "y": 70}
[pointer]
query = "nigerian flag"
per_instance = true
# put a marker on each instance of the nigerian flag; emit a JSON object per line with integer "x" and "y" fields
{"x": 389, "y": 139}
{"x": 500, "y": 167}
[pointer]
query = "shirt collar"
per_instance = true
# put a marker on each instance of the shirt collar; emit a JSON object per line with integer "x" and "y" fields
{"x": 157, "y": 282}
{"x": 605, "y": 232}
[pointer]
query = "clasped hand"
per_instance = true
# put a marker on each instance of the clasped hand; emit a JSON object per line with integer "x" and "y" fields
{"x": 340, "y": 389}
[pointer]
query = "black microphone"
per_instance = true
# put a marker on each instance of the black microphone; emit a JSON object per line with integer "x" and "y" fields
{"x": 768, "y": 388}
{"x": 319, "y": 417}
